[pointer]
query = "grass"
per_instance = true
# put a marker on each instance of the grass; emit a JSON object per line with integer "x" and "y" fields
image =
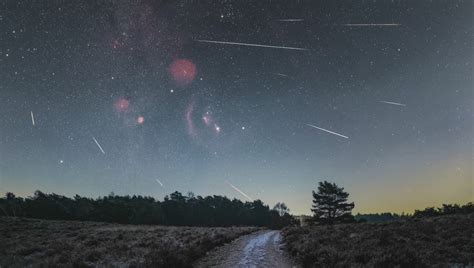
{"x": 31, "y": 242}
{"x": 445, "y": 241}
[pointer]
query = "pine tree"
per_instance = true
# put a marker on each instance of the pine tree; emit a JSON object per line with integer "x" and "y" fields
{"x": 330, "y": 204}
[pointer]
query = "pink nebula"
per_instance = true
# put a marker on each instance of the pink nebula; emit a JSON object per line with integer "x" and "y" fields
{"x": 117, "y": 43}
{"x": 182, "y": 71}
{"x": 121, "y": 105}
{"x": 189, "y": 119}
{"x": 207, "y": 119}
{"x": 140, "y": 120}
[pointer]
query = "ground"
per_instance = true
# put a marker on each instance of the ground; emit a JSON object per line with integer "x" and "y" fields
{"x": 32, "y": 242}
{"x": 260, "y": 249}
{"x": 445, "y": 241}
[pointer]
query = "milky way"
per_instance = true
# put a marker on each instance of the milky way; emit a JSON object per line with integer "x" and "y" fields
{"x": 108, "y": 96}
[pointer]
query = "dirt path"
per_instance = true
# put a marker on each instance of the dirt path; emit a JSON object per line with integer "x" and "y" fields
{"x": 260, "y": 249}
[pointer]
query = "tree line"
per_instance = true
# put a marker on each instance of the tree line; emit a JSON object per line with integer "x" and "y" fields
{"x": 445, "y": 209}
{"x": 380, "y": 217}
{"x": 176, "y": 209}
{"x": 330, "y": 206}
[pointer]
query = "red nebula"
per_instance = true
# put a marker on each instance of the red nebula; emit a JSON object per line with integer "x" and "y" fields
{"x": 189, "y": 119}
{"x": 121, "y": 105}
{"x": 140, "y": 120}
{"x": 116, "y": 44}
{"x": 207, "y": 119}
{"x": 182, "y": 71}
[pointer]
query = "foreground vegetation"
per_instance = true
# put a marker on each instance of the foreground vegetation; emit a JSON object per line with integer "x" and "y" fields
{"x": 31, "y": 242}
{"x": 415, "y": 242}
{"x": 176, "y": 210}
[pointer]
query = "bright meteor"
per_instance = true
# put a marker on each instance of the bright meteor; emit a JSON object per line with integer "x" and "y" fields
{"x": 328, "y": 131}
{"x": 98, "y": 145}
{"x": 249, "y": 45}
{"x": 158, "y": 181}
{"x": 240, "y": 192}
{"x": 370, "y": 24}
{"x": 32, "y": 118}
{"x": 290, "y": 20}
{"x": 393, "y": 103}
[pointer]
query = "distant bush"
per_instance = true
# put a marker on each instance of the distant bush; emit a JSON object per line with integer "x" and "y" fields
{"x": 380, "y": 217}
{"x": 446, "y": 209}
{"x": 175, "y": 209}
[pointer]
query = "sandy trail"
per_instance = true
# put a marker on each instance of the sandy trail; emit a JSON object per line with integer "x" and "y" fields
{"x": 260, "y": 249}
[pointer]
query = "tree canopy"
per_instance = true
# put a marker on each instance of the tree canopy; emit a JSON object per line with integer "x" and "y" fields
{"x": 281, "y": 208}
{"x": 175, "y": 209}
{"x": 330, "y": 204}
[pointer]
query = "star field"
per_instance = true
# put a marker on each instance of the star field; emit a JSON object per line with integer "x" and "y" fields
{"x": 149, "y": 97}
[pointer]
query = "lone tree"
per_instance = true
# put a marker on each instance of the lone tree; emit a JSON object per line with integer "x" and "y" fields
{"x": 281, "y": 208}
{"x": 330, "y": 204}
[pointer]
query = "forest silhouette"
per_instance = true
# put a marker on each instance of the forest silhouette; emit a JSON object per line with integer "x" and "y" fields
{"x": 176, "y": 209}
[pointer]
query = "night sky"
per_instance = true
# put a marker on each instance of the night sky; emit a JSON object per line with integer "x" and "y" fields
{"x": 143, "y": 97}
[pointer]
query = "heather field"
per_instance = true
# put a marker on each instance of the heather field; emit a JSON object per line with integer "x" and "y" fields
{"x": 27, "y": 242}
{"x": 444, "y": 241}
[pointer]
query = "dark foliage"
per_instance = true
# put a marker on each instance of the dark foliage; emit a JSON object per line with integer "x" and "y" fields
{"x": 446, "y": 209}
{"x": 380, "y": 217}
{"x": 281, "y": 208}
{"x": 330, "y": 204}
{"x": 444, "y": 241}
{"x": 176, "y": 209}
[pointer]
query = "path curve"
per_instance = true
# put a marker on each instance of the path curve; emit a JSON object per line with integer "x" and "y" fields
{"x": 259, "y": 249}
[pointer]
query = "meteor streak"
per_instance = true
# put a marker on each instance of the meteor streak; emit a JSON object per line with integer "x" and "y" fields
{"x": 393, "y": 103}
{"x": 240, "y": 192}
{"x": 32, "y": 118}
{"x": 280, "y": 74}
{"x": 290, "y": 20}
{"x": 98, "y": 145}
{"x": 370, "y": 24}
{"x": 328, "y": 131}
{"x": 249, "y": 45}
{"x": 158, "y": 181}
